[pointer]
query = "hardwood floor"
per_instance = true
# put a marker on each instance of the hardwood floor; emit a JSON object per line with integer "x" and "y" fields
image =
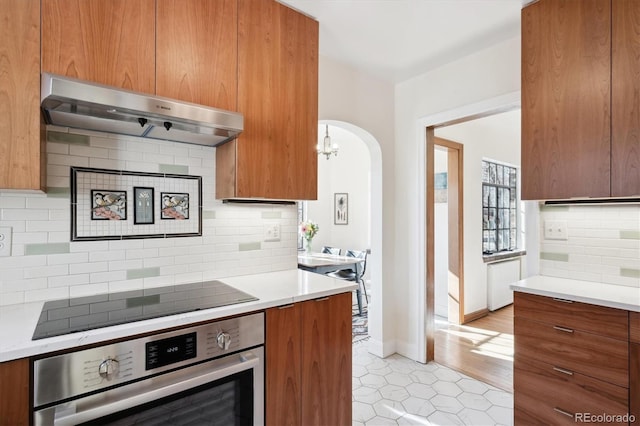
{"x": 482, "y": 349}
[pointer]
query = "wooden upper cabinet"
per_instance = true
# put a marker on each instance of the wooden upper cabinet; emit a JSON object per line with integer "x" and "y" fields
{"x": 109, "y": 42}
{"x": 566, "y": 106}
{"x": 22, "y": 159}
{"x": 625, "y": 108}
{"x": 275, "y": 156}
{"x": 197, "y": 51}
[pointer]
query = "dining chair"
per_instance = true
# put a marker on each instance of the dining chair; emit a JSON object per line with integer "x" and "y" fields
{"x": 331, "y": 250}
{"x": 356, "y": 276}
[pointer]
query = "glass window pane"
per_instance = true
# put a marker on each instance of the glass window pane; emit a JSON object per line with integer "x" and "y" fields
{"x": 492, "y": 218}
{"x": 505, "y": 239}
{"x": 512, "y": 219}
{"x": 513, "y": 178}
{"x": 485, "y": 218}
{"x": 507, "y": 174}
{"x": 492, "y": 197}
{"x": 485, "y": 172}
{"x": 485, "y": 196}
{"x": 512, "y": 240}
{"x": 500, "y": 175}
{"x": 492, "y": 173}
{"x": 503, "y": 218}
{"x": 489, "y": 241}
{"x": 500, "y": 241}
{"x": 512, "y": 194}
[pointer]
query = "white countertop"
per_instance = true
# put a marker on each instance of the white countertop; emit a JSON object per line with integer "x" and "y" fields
{"x": 17, "y": 322}
{"x": 613, "y": 296}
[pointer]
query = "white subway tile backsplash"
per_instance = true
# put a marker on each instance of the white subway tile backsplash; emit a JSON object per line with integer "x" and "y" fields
{"x": 601, "y": 244}
{"x": 93, "y": 267}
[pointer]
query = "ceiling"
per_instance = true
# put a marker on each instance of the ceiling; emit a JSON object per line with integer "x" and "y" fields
{"x": 398, "y": 39}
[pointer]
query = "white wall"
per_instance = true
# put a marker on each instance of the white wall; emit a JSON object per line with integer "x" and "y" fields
{"x": 45, "y": 265}
{"x": 348, "y": 172}
{"x": 365, "y": 106}
{"x": 484, "y": 75}
{"x": 496, "y": 137}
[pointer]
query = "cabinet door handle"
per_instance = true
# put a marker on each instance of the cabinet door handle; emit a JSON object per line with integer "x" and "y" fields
{"x": 562, "y": 300}
{"x": 563, "y": 371}
{"x": 322, "y": 299}
{"x": 563, "y": 329}
{"x": 561, "y": 411}
{"x": 290, "y": 305}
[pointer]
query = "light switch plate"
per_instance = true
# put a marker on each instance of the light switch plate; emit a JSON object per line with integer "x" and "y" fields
{"x": 5, "y": 241}
{"x": 555, "y": 230}
{"x": 272, "y": 232}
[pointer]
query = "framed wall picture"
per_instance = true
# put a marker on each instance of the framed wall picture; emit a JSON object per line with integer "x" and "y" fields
{"x": 143, "y": 205}
{"x": 340, "y": 208}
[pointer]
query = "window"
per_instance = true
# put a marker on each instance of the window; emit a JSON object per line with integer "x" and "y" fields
{"x": 499, "y": 207}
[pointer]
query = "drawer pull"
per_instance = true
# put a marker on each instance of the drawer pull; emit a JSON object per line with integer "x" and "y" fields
{"x": 563, "y": 329}
{"x": 562, "y": 300}
{"x": 563, "y": 371}
{"x": 561, "y": 411}
{"x": 322, "y": 299}
{"x": 290, "y": 305}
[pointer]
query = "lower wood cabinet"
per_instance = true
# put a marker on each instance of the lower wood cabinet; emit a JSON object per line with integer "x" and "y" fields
{"x": 308, "y": 362}
{"x": 572, "y": 361}
{"x": 14, "y": 392}
{"x": 634, "y": 366}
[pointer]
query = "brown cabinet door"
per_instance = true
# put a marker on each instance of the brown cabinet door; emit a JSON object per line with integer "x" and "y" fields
{"x": 22, "y": 158}
{"x": 197, "y": 51}
{"x": 14, "y": 391}
{"x": 278, "y": 95}
{"x": 109, "y": 42}
{"x": 326, "y": 361}
{"x": 283, "y": 364}
{"x": 625, "y": 98}
{"x": 634, "y": 382}
{"x": 566, "y": 106}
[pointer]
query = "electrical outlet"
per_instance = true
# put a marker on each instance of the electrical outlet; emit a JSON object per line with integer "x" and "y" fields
{"x": 272, "y": 232}
{"x": 5, "y": 241}
{"x": 555, "y": 229}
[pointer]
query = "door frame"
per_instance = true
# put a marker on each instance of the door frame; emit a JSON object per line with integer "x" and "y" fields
{"x": 491, "y": 106}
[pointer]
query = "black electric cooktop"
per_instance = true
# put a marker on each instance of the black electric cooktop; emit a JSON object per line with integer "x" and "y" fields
{"x": 66, "y": 316}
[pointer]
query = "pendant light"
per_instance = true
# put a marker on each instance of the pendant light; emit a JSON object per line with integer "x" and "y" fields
{"x": 327, "y": 148}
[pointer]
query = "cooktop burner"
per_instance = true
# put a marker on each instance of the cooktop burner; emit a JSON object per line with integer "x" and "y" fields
{"x": 66, "y": 316}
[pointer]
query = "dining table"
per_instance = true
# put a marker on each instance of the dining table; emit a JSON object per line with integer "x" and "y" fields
{"x": 323, "y": 263}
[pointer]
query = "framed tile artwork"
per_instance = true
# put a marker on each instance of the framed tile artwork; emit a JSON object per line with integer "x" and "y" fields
{"x": 117, "y": 204}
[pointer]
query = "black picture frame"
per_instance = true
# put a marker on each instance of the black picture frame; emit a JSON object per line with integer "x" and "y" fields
{"x": 143, "y": 205}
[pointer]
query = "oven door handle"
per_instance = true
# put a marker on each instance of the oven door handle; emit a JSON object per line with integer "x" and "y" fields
{"x": 246, "y": 361}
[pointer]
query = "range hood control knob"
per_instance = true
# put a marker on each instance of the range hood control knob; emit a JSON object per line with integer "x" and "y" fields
{"x": 108, "y": 367}
{"x": 142, "y": 121}
{"x": 167, "y": 125}
{"x": 224, "y": 340}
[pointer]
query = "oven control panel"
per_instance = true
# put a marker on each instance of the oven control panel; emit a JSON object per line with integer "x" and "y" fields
{"x": 170, "y": 350}
{"x": 79, "y": 372}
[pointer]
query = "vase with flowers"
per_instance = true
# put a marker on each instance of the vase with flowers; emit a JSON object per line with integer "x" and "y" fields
{"x": 308, "y": 229}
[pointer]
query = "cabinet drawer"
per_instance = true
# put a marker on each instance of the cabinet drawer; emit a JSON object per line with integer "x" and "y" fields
{"x": 595, "y": 319}
{"x": 544, "y": 395}
{"x": 634, "y": 327}
{"x": 596, "y": 356}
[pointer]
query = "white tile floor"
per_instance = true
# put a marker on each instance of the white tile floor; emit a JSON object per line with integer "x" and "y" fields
{"x": 399, "y": 391}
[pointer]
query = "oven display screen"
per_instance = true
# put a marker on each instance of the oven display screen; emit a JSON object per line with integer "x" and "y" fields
{"x": 171, "y": 350}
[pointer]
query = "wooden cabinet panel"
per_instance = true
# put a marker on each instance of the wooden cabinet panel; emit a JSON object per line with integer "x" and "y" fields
{"x": 634, "y": 382}
{"x": 14, "y": 392}
{"x": 326, "y": 361}
{"x": 634, "y": 327}
{"x": 625, "y": 97}
{"x": 570, "y": 393}
{"x": 109, "y": 42}
{"x": 283, "y": 360}
{"x": 600, "y": 320}
{"x": 197, "y": 51}
{"x": 590, "y": 354}
{"x": 278, "y": 95}
{"x": 566, "y": 66}
{"x": 22, "y": 154}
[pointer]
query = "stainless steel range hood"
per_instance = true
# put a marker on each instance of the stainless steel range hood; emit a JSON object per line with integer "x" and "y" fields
{"x": 79, "y": 104}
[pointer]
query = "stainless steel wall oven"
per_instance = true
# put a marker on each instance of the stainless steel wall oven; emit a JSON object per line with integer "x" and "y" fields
{"x": 211, "y": 374}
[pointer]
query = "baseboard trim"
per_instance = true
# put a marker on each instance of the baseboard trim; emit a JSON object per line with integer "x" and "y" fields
{"x": 475, "y": 315}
